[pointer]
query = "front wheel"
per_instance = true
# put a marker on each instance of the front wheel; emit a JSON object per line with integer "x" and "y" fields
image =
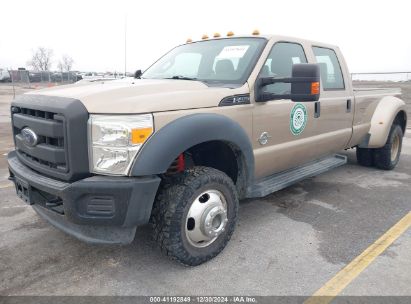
{"x": 194, "y": 215}
{"x": 387, "y": 157}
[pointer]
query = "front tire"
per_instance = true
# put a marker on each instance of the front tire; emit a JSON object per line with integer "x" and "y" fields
{"x": 387, "y": 157}
{"x": 195, "y": 214}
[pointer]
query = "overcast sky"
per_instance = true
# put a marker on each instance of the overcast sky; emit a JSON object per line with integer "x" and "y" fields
{"x": 373, "y": 35}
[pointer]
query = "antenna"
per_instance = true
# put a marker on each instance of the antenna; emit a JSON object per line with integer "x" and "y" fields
{"x": 125, "y": 45}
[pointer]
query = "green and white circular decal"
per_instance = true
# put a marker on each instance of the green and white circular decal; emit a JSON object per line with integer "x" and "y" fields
{"x": 298, "y": 119}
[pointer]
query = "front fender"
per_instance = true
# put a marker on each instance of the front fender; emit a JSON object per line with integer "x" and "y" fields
{"x": 181, "y": 134}
{"x": 382, "y": 120}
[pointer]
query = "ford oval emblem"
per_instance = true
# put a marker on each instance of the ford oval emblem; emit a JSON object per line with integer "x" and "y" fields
{"x": 30, "y": 138}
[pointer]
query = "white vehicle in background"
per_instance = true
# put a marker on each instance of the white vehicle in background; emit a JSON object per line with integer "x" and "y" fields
{"x": 89, "y": 75}
{"x": 4, "y": 75}
{"x": 93, "y": 77}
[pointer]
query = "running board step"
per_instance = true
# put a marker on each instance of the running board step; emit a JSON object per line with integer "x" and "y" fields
{"x": 286, "y": 178}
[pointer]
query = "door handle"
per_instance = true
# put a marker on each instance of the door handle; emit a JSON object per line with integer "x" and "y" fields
{"x": 317, "y": 109}
{"x": 348, "y": 105}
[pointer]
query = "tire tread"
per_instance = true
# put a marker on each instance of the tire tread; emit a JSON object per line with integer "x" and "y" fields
{"x": 383, "y": 154}
{"x": 175, "y": 192}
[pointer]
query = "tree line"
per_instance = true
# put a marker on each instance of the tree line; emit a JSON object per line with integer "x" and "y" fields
{"x": 41, "y": 60}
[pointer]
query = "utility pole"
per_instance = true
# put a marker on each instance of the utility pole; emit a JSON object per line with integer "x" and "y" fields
{"x": 12, "y": 82}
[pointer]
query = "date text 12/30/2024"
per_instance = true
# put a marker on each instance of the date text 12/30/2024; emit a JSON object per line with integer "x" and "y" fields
{"x": 203, "y": 299}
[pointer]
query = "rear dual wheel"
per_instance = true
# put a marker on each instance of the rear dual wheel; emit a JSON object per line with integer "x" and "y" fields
{"x": 386, "y": 157}
{"x": 194, "y": 215}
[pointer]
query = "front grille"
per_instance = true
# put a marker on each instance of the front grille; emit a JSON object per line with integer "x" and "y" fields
{"x": 60, "y": 125}
{"x": 50, "y": 151}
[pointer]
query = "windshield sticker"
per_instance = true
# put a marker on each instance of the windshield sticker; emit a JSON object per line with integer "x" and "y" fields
{"x": 298, "y": 119}
{"x": 233, "y": 51}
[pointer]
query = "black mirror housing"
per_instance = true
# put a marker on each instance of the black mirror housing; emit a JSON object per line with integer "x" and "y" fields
{"x": 138, "y": 74}
{"x": 305, "y": 84}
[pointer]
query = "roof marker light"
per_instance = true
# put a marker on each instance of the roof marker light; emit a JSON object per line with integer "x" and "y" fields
{"x": 230, "y": 33}
{"x": 204, "y": 37}
{"x": 256, "y": 32}
{"x": 189, "y": 40}
{"x": 216, "y": 35}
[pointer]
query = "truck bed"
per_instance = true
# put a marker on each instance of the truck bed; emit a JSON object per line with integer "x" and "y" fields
{"x": 404, "y": 85}
{"x": 368, "y": 92}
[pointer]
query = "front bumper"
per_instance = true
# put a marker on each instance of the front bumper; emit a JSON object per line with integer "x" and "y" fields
{"x": 98, "y": 209}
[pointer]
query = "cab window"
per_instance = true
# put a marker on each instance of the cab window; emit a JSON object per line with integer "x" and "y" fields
{"x": 185, "y": 64}
{"x": 331, "y": 75}
{"x": 279, "y": 64}
{"x": 215, "y": 62}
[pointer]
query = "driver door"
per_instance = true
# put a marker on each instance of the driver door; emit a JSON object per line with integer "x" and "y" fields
{"x": 284, "y": 131}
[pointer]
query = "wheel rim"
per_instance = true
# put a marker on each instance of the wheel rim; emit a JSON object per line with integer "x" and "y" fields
{"x": 206, "y": 219}
{"x": 395, "y": 147}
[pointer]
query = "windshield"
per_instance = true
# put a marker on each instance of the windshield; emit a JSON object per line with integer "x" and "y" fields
{"x": 225, "y": 61}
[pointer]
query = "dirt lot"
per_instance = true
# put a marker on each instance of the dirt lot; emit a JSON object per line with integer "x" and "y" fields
{"x": 288, "y": 243}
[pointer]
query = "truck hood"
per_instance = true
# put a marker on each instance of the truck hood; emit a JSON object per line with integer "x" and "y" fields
{"x": 142, "y": 95}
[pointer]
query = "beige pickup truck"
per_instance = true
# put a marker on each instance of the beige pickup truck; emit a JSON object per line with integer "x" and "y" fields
{"x": 210, "y": 123}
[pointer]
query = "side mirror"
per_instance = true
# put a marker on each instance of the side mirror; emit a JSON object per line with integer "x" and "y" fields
{"x": 138, "y": 74}
{"x": 305, "y": 84}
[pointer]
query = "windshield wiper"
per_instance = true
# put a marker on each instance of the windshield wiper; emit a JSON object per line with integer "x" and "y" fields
{"x": 181, "y": 77}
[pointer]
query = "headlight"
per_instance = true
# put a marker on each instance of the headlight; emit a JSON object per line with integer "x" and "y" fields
{"x": 114, "y": 141}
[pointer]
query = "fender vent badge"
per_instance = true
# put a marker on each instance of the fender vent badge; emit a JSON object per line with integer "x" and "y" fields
{"x": 264, "y": 137}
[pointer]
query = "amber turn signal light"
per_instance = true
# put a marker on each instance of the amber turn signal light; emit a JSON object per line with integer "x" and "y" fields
{"x": 315, "y": 88}
{"x": 139, "y": 136}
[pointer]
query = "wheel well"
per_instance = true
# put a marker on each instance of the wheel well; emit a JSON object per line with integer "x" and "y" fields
{"x": 401, "y": 120}
{"x": 222, "y": 156}
{"x": 217, "y": 155}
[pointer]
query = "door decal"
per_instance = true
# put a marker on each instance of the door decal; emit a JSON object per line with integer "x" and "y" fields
{"x": 298, "y": 119}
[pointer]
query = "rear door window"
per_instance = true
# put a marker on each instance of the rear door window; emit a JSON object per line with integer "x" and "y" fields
{"x": 331, "y": 75}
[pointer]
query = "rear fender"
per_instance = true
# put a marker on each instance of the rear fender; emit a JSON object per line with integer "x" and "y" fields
{"x": 382, "y": 119}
